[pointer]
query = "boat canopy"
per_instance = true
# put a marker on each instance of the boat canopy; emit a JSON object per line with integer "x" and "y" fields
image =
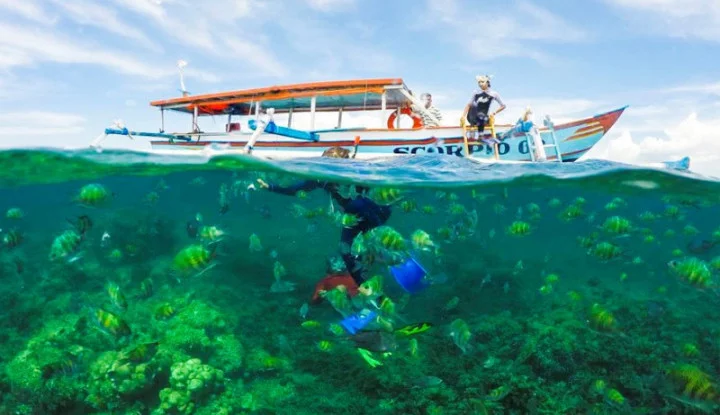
{"x": 331, "y": 96}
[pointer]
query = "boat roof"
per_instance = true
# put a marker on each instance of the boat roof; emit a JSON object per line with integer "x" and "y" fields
{"x": 351, "y": 95}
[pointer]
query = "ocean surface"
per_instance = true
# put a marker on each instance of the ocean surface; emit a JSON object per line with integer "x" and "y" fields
{"x": 135, "y": 283}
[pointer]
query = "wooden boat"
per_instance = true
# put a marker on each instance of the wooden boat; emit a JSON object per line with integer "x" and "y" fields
{"x": 265, "y": 109}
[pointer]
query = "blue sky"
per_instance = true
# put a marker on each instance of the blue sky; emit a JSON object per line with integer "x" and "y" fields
{"x": 68, "y": 68}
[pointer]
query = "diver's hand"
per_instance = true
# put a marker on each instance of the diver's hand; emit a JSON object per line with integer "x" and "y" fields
{"x": 262, "y": 183}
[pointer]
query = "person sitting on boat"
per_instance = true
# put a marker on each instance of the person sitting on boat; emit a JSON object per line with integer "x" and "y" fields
{"x": 430, "y": 115}
{"x": 477, "y": 111}
{"x": 370, "y": 215}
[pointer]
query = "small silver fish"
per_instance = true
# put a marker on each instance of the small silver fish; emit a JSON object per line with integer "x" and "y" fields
{"x": 426, "y": 382}
{"x": 485, "y": 281}
{"x": 304, "y": 310}
{"x": 105, "y": 240}
{"x": 282, "y": 286}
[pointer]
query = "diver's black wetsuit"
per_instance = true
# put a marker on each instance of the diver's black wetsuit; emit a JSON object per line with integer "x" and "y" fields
{"x": 370, "y": 214}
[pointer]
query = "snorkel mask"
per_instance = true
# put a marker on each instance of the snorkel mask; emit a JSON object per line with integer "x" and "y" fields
{"x": 483, "y": 80}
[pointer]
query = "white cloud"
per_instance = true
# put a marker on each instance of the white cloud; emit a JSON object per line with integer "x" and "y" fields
{"x": 225, "y": 29}
{"x": 677, "y": 18}
{"x": 330, "y": 5}
{"x": 24, "y": 46}
{"x": 258, "y": 55}
{"x": 560, "y": 110}
{"x": 94, "y": 14}
{"x": 39, "y": 123}
{"x": 11, "y": 56}
{"x": 514, "y": 32}
{"x": 28, "y": 9}
{"x": 692, "y": 137}
{"x": 705, "y": 89}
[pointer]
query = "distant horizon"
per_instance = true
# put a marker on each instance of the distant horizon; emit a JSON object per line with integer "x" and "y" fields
{"x": 69, "y": 68}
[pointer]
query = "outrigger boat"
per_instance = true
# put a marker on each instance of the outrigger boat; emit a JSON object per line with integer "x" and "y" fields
{"x": 390, "y": 99}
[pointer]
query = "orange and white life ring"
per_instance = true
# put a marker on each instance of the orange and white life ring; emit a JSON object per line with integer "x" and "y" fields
{"x": 417, "y": 120}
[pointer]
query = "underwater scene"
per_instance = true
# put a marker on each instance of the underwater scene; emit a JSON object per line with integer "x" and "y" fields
{"x": 145, "y": 284}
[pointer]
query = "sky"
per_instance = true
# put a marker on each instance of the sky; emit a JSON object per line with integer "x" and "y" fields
{"x": 70, "y": 68}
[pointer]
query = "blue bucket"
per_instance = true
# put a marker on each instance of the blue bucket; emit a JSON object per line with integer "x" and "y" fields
{"x": 352, "y": 324}
{"x": 410, "y": 275}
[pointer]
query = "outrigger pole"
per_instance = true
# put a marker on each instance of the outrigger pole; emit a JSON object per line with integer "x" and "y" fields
{"x": 119, "y": 129}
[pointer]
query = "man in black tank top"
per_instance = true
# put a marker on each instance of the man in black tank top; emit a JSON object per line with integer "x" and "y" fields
{"x": 477, "y": 111}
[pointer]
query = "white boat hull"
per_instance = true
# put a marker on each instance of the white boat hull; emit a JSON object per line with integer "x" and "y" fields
{"x": 574, "y": 140}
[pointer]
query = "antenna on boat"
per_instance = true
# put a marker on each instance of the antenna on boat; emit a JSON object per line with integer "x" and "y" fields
{"x": 181, "y": 64}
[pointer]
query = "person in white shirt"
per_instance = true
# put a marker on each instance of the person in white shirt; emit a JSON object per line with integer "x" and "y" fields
{"x": 428, "y": 120}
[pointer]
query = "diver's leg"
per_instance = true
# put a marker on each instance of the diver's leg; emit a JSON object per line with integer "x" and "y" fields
{"x": 482, "y": 120}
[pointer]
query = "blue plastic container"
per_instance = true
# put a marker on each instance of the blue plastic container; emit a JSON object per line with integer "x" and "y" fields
{"x": 410, "y": 275}
{"x": 352, "y": 324}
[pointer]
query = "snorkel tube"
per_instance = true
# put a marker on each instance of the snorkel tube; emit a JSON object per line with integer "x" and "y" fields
{"x": 355, "y": 149}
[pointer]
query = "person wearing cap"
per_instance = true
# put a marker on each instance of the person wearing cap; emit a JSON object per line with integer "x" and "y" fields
{"x": 430, "y": 115}
{"x": 477, "y": 111}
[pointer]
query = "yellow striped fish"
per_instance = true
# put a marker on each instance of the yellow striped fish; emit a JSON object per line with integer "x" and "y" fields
{"x": 415, "y": 328}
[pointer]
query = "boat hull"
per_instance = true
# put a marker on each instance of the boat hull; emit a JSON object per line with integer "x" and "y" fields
{"x": 575, "y": 139}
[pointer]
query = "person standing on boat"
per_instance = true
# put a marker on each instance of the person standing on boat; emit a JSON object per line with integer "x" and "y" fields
{"x": 430, "y": 115}
{"x": 477, "y": 111}
{"x": 370, "y": 215}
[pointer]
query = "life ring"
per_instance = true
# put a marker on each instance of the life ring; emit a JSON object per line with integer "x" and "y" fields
{"x": 417, "y": 120}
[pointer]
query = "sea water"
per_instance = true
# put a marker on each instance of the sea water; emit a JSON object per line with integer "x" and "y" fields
{"x": 579, "y": 288}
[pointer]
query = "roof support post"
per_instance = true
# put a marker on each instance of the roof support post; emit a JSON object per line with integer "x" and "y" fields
{"x": 383, "y": 107}
{"x": 339, "y": 124}
{"x": 290, "y": 118}
{"x": 195, "y": 127}
{"x": 313, "y": 101}
{"x": 162, "y": 120}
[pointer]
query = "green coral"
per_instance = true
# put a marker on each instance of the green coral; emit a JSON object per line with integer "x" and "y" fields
{"x": 201, "y": 331}
{"x": 114, "y": 380}
{"x": 40, "y": 375}
{"x": 268, "y": 394}
{"x": 191, "y": 383}
{"x": 227, "y": 353}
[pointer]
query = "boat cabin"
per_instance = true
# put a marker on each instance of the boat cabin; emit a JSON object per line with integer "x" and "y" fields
{"x": 331, "y": 96}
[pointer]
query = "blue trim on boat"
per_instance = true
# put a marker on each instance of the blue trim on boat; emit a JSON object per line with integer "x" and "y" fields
{"x": 273, "y": 128}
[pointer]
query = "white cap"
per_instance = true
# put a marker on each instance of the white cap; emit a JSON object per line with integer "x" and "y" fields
{"x": 270, "y": 111}
{"x": 482, "y": 78}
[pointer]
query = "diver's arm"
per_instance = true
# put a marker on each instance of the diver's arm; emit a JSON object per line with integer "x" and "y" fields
{"x": 306, "y": 186}
{"x": 500, "y": 102}
{"x": 499, "y": 110}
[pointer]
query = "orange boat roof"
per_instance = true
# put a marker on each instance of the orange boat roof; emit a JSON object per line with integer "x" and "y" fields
{"x": 352, "y": 95}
